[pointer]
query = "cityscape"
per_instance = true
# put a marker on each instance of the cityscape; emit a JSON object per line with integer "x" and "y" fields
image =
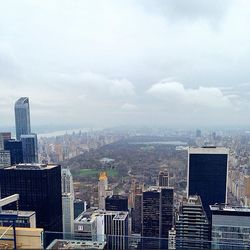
{"x": 123, "y": 189}
{"x": 125, "y": 125}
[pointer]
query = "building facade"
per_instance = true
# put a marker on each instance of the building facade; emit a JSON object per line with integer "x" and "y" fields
{"x": 116, "y": 203}
{"x": 30, "y": 149}
{"x": 16, "y": 150}
{"x": 39, "y": 187}
{"x": 22, "y": 117}
{"x": 192, "y": 226}
{"x": 207, "y": 175}
{"x": 230, "y": 227}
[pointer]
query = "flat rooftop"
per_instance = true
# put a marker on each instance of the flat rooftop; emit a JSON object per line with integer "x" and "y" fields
{"x": 229, "y": 208}
{"x": 76, "y": 244}
{"x": 31, "y": 166}
{"x": 19, "y": 213}
{"x": 208, "y": 150}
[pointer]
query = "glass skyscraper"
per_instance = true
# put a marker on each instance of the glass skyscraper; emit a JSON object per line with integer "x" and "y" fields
{"x": 207, "y": 175}
{"x": 22, "y": 117}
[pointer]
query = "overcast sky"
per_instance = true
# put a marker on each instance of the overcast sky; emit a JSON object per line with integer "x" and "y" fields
{"x": 140, "y": 62}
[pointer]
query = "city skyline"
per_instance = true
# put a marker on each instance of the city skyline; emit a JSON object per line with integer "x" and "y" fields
{"x": 126, "y": 63}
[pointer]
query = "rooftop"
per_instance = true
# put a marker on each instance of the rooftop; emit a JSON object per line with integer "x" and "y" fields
{"x": 76, "y": 244}
{"x": 31, "y": 166}
{"x": 223, "y": 207}
{"x": 19, "y": 213}
{"x": 22, "y": 101}
{"x": 208, "y": 150}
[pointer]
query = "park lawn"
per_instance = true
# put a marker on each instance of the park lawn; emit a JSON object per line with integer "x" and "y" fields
{"x": 89, "y": 172}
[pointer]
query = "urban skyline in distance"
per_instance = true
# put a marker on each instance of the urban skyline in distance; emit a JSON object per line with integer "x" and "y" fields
{"x": 153, "y": 63}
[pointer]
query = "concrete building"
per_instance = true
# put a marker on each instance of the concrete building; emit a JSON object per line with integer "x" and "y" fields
{"x": 163, "y": 178}
{"x": 67, "y": 181}
{"x": 230, "y": 227}
{"x": 24, "y": 218}
{"x": 68, "y": 215}
{"x": 103, "y": 190}
{"x": 4, "y": 136}
{"x": 26, "y": 238}
{"x": 192, "y": 226}
{"x": 5, "y": 160}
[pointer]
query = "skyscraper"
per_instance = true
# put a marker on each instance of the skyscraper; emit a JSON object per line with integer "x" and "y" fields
{"x": 67, "y": 203}
{"x": 30, "y": 150}
{"x": 207, "y": 175}
{"x": 136, "y": 215}
{"x": 68, "y": 215}
{"x": 39, "y": 187}
{"x": 192, "y": 226}
{"x": 116, "y": 203}
{"x": 16, "y": 150}
{"x": 103, "y": 191}
{"x": 163, "y": 178}
{"x": 157, "y": 215}
{"x": 22, "y": 117}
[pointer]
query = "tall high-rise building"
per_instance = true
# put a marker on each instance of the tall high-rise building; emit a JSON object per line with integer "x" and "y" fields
{"x": 68, "y": 215}
{"x": 116, "y": 203}
{"x": 16, "y": 150}
{"x": 163, "y": 178}
{"x": 207, "y": 175}
{"x": 30, "y": 150}
{"x": 67, "y": 181}
{"x": 116, "y": 229}
{"x": 103, "y": 191}
{"x": 22, "y": 117}
{"x": 67, "y": 203}
{"x": 230, "y": 227}
{"x": 39, "y": 187}
{"x": 136, "y": 215}
{"x": 157, "y": 215}
{"x": 192, "y": 226}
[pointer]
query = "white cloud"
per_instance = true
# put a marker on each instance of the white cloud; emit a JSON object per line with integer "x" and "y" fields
{"x": 175, "y": 92}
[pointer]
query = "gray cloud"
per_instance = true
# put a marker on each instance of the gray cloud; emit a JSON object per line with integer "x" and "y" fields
{"x": 106, "y": 62}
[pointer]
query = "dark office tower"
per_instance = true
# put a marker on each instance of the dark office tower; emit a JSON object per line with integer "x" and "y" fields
{"x": 192, "y": 227}
{"x": 22, "y": 117}
{"x": 116, "y": 203}
{"x": 39, "y": 187}
{"x": 207, "y": 175}
{"x": 136, "y": 215}
{"x": 29, "y": 145}
{"x": 15, "y": 149}
{"x": 163, "y": 178}
{"x": 157, "y": 215}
